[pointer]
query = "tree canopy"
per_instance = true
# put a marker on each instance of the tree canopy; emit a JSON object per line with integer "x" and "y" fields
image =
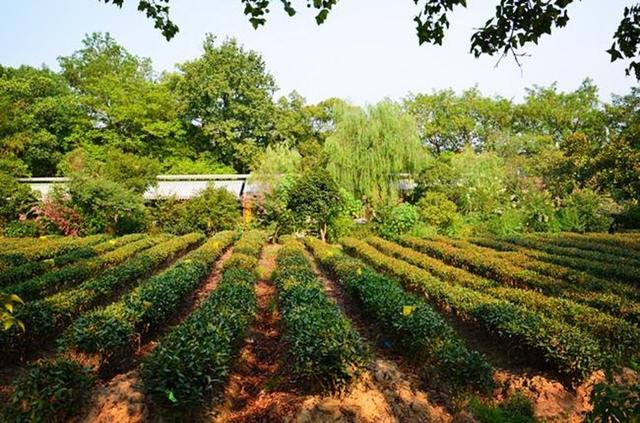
{"x": 512, "y": 25}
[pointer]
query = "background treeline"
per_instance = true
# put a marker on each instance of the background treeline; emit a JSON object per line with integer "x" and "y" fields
{"x": 476, "y": 164}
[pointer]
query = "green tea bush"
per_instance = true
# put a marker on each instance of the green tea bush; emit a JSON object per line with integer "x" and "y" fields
{"x": 49, "y": 390}
{"x": 70, "y": 275}
{"x": 419, "y": 331}
{"x": 193, "y": 361}
{"x": 46, "y": 317}
{"x": 616, "y": 334}
{"x": 323, "y": 348}
{"x": 112, "y": 331}
{"x": 571, "y": 351}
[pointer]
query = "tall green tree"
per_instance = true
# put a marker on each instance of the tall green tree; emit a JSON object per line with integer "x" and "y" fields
{"x": 129, "y": 106}
{"x": 39, "y": 117}
{"x": 227, "y": 96}
{"x": 370, "y": 149}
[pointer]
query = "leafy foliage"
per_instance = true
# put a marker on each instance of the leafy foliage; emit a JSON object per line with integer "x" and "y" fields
{"x": 49, "y": 389}
{"x": 370, "y": 149}
{"x": 418, "y": 330}
{"x": 323, "y": 348}
{"x": 315, "y": 201}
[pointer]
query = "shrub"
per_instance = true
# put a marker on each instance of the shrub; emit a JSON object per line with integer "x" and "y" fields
{"x": 583, "y": 211}
{"x": 323, "y": 349}
{"x": 194, "y": 359}
{"x": 315, "y": 202}
{"x": 104, "y": 206}
{"x": 72, "y": 274}
{"x": 111, "y": 331}
{"x": 16, "y": 198}
{"x": 419, "y": 331}
{"x": 538, "y": 212}
{"x": 213, "y": 210}
{"x": 22, "y": 229}
{"x": 437, "y": 210}
{"x": 398, "y": 220}
{"x": 57, "y": 218}
{"x": 571, "y": 351}
{"x": 51, "y": 390}
{"x": 47, "y": 317}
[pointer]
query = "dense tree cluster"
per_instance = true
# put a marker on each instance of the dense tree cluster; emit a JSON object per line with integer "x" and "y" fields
{"x": 467, "y": 162}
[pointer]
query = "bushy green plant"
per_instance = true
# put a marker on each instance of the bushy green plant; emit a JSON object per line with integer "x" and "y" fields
{"x": 509, "y": 222}
{"x": 396, "y": 221}
{"x": 419, "y": 331}
{"x": 315, "y": 201}
{"x": 212, "y": 210}
{"x": 50, "y": 390}
{"x": 437, "y": 210}
{"x": 104, "y": 206}
{"x": 515, "y": 409}
{"x": 583, "y": 211}
{"x": 323, "y": 348}
{"x": 16, "y": 198}
{"x": 22, "y": 229}
{"x": 538, "y": 212}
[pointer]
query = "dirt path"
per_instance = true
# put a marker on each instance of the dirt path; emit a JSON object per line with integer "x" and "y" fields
{"x": 121, "y": 399}
{"x": 256, "y": 390}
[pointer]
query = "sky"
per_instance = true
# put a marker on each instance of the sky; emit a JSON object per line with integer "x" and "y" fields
{"x": 367, "y": 50}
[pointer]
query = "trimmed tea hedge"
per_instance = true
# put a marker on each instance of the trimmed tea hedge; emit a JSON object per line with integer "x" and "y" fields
{"x": 112, "y": 331}
{"x": 507, "y": 269}
{"x": 419, "y": 331}
{"x": 17, "y": 274}
{"x": 71, "y": 275}
{"x": 323, "y": 349}
{"x": 194, "y": 360}
{"x": 48, "y": 248}
{"x": 598, "y": 264}
{"x": 571, "y": 351}
{"x": 617, "y": 334}
{"x": 45, "y": 318}
{"x": 619, "y": 246}
{"x": 49, "y": 390}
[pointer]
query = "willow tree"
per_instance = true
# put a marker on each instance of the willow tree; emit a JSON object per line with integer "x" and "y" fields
{"x": 372, "y": 148}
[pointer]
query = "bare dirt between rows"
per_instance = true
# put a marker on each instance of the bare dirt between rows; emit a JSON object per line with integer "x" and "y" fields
{"x": 121, "y": 398}
{"x": 257, "y": 390}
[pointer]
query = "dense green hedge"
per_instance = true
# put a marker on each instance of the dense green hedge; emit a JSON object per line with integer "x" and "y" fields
{"x": 194, "y": 360}
{"x": 72, "y": 274}
{"x": 571, "y": 351}
{"x": 48, "y": 391}
{"x": 421, "y": 334}
{"x": 597, "y": 263}
{"x": 113, "y": 330}
{"x": 577, "y": 279}
{"x": 45, "y": 318}
{"x": 619, "y": 248}
{"x": 623, "y": 241}
{"x": 509, "y": 269}
{"x": 323, "y": 349}
{"x": 48, "y": 248}
{"x": 618, "y": 335}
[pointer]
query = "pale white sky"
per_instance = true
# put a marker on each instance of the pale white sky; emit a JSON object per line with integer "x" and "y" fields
{"x": 367, "y": 49}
